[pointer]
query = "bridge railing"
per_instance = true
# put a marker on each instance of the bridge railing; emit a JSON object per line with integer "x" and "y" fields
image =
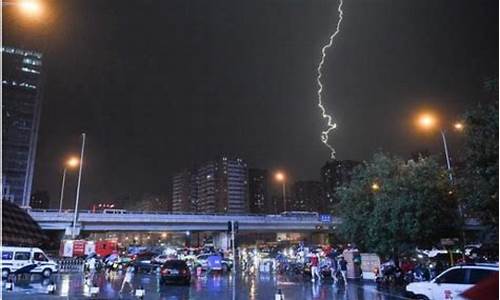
{"x": 127, "y": 212}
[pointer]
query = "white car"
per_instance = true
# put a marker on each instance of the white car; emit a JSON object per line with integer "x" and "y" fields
{"x": 451, "y": 283}
{"x": 16, "y": 258}
{"x": 160, "y": 259}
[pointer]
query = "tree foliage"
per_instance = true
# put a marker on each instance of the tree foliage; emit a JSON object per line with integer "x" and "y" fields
{"x": 478, "y": 179}
{"x": 411, "y": 207}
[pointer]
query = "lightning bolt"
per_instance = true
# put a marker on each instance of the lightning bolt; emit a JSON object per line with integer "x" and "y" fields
{"x": 330, "y": 125}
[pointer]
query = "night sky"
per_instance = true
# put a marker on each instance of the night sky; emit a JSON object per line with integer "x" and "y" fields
{"x": 159, "y": 85}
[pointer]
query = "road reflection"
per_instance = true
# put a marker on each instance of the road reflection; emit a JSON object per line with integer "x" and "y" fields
{"x": 253, "y": 286}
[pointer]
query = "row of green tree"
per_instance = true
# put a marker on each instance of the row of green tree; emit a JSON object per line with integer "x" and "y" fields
{"x": 395, "y": 205}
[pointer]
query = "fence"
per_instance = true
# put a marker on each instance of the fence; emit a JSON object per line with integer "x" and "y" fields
{"x": 68, "y": 265}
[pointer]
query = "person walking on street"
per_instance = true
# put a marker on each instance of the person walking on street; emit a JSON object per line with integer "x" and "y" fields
{"x": 129, "y": 275}
{"x": 343, "y": 269}
{"x": 333, "y": 269}
{"x": 91, "y": 266}
{"x": 315, "y": 267}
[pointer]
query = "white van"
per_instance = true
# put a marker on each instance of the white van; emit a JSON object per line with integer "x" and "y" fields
{"x": 15, "y": 258}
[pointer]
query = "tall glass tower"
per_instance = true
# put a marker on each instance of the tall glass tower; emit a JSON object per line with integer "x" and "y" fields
{"x": 21, "y": 93}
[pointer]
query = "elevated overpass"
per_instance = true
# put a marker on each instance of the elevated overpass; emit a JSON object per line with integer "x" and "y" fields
{"x": 89, "y": 221}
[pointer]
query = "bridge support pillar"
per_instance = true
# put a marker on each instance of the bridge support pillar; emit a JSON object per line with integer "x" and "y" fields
{"x": 222, "y": 240}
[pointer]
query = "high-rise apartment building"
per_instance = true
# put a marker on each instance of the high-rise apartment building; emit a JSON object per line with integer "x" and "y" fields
{"x": 21, "y": 93}
{"x": 258, "y": 196}
{"x": 185, "y": 192}
{"x": 308, "y": 196}
{"x": 218, "y": 186}
{"x": 334, "y": 174}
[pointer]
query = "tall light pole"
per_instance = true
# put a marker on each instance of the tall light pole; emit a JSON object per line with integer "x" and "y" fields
{"x": 280, "y": 177}
{"x": 75, "y": 215}
{"x": 428, "y": 121}
{"x": 71, "y": 163}
{"x": 445, "y": 145}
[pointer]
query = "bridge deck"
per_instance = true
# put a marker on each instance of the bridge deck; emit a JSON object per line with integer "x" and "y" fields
{"x": 160, "y": 221}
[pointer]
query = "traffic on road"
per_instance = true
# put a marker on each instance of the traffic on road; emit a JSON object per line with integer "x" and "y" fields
{"x": 293, "y": 272}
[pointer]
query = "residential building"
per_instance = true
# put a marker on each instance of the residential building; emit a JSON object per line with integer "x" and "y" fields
{"x": 185, "y": 191}
{"x": 217, "y": 186}
{"x": 40, "y": 200}
{"x": 334, "y": 174}
{"x": 258, "y": 196}
{"x": 308, "y": 196}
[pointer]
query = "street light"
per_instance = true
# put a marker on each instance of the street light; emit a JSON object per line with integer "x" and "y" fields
{"x": 428, "y": 121}
{"x": 75, "y": 215}
{"x": 280, "y": 177}
{"x": 31, "y": 7}
{"x": 458, "y": 126}
{"x": 28, "y": 7}
{"x": 70, "y": 163}
{"x": 375, "y": 187}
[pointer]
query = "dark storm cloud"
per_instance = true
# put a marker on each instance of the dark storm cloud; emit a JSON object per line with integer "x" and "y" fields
{"x": 158, "y": 85}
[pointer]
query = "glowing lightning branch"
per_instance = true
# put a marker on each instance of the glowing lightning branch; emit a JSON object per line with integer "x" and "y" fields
{"x": 330, "y": 125}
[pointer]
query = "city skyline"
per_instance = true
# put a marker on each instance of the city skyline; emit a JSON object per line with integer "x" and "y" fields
{"x": 241, "y": 81}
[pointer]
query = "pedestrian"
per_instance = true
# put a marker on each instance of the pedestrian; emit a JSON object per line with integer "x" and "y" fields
{"x": 343, "y": 269}
{"x": 91, "y": 266}
{"x": 333, "y": 268}
{"x": 129, "y": 275}
{"x": 315, "y": 267}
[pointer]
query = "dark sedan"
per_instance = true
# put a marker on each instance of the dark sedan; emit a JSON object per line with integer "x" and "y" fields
{"x": 176, "y": 271}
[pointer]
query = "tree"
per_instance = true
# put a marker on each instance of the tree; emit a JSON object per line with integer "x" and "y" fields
{"x": 392, "y": 206}
{"x": 478, "y": 179}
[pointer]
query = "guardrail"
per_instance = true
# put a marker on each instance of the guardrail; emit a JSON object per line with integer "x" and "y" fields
{"x": 311, "y": 217}
{"x": 155, "y": 212}
{"x": 70, "y": 264}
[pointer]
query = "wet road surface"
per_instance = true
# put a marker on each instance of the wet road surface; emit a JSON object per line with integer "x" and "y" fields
{"x": 216, "y": 286}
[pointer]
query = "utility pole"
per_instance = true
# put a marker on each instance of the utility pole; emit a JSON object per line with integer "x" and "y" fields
{"x": 75, "y": 215}
{"x": 233, "y": 246}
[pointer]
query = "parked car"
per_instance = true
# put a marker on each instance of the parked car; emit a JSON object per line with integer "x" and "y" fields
{"x": 143, "y": 257}
{"x": 26, "y": 260}
{"x": 223, "y": 264}
{"x": 451, "y": 283}
{"x": 160, "y": 259}
{"x": 175, "y": 270}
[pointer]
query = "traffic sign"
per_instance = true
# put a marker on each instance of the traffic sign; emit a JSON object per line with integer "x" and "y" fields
{"x": 325, "y": 218}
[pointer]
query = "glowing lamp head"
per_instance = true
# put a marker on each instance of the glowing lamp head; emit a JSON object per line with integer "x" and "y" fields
{"x": 280, "y": 176}
{"x": 426, "y": 121}
{"x": 375, "y": 187}
{"x": 458, "y": 126}
{"x": 31, "y": 7}
{"x": 73, "y": 162}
